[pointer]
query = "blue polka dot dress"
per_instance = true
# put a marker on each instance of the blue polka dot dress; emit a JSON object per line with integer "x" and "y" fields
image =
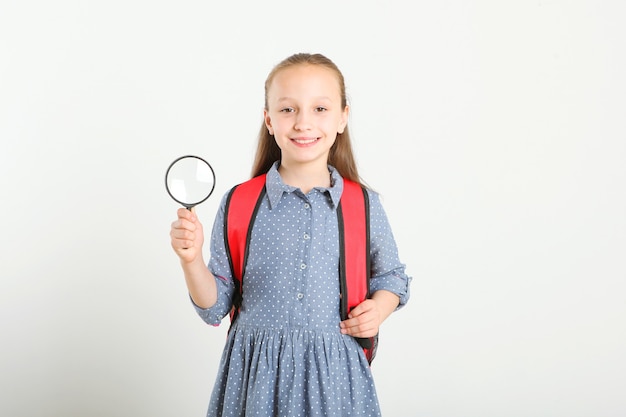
{"x": 285, "y": 355}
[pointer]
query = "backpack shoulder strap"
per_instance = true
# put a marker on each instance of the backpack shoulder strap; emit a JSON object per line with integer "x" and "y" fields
{"x": 354, "y": 245}
{"x": 242, "y": 203}
{"x": 354, "y": 257}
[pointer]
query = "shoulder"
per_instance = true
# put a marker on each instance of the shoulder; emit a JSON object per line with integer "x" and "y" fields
{"x": 245, "y": 190}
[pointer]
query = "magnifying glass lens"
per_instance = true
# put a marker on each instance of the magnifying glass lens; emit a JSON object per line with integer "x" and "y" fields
{"x": 190, "y": 180}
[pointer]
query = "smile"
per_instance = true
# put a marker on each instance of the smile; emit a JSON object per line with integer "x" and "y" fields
{"x": 305, "y": 141}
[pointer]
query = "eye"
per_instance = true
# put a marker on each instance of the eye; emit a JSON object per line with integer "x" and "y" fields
{"x": 320, "y": 109}
{"x": 287, "y": 110}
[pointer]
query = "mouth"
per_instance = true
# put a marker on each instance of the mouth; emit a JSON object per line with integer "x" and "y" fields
{"x": 305, "y": 141}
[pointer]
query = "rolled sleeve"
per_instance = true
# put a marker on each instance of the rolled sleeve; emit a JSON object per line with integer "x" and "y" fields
{"x": 396, "y": 282}
{"x": 388, "y": 272}
{"x": 214, "y": 314}
{"x": 220, "y": 268}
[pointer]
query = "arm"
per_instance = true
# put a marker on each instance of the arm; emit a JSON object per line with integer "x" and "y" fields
{"x": 187, "y": 239}
{"x": 389, "y": 283}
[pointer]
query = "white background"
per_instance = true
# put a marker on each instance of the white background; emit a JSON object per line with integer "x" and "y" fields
{"x": 493, "y": 129}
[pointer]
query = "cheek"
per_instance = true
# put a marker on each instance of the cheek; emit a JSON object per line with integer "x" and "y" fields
{"x": 277, "y": 140}
{"x": 280, "y": 123}
{"x": 335, "y": 126}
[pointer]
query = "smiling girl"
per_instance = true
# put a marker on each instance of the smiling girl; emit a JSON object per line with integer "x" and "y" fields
{"x": 289, "y": 353}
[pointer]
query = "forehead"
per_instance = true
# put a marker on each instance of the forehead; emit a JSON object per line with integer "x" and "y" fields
{"x": 305, "y": 79}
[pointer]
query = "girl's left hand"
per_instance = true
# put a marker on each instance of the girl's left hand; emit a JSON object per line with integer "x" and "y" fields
{"x": 363, "y": 320}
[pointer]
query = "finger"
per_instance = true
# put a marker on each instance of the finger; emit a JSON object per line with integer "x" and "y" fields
{"x": 182, "y": 240}
{"x": 184, "y": 224}
{"x": 181, "y": 234}
{"x": 184, "y": 213}
{"x": 182, "y": 245}
{"x": 362, "y": 308}
{"x": 357, "y": 324}
{"x": 363, "y": 317}
{"x": 360, "y": 330}
{"x": 349, "y": 323}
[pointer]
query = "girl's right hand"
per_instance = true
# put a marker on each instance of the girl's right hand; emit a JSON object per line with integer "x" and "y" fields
{"x": 187, "y": 236}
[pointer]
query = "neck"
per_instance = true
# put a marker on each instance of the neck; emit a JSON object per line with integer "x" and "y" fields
{"x": 305, "y": 177}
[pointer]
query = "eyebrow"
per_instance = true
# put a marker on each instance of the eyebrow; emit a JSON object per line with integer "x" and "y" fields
{"x": 281, "y": 99}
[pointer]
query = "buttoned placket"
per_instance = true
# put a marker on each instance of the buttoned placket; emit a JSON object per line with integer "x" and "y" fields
{"x": 306, "y": 223}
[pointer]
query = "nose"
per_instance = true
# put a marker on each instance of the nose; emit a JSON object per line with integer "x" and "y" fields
{"x": 303, "y": 121}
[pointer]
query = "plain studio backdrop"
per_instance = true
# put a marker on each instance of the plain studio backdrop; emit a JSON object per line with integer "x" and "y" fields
{"x": 494, "y": 131}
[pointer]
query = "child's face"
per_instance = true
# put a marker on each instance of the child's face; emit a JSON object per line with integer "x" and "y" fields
{"x": 305, "y": 114}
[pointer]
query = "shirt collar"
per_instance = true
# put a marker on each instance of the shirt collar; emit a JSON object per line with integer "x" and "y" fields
{"x": 276, "y": 187}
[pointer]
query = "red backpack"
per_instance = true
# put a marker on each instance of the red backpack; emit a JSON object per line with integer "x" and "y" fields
{"x": 242, "y": 204}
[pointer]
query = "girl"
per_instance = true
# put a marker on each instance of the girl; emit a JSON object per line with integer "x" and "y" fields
{"x": 288, "y": 353}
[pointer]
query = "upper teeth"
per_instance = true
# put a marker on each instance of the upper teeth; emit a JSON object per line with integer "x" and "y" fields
{"x": 304, "y": 140}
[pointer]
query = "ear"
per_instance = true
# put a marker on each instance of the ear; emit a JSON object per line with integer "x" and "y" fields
{"x": 344, "y": 120}
{"x": 268, "y": 122}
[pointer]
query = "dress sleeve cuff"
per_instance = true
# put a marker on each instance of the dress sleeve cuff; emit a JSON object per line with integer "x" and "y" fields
{"x": 214, "y": 314}
{"x": 396, "y": 282}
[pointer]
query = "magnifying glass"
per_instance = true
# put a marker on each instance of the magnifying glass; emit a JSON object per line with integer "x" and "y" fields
{"x": 190, "y": 180}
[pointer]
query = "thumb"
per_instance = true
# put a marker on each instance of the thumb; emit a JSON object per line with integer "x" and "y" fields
{"x": 194, "y": 216}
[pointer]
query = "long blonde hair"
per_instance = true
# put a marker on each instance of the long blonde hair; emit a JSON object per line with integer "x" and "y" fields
{"x": 340, "y": 156}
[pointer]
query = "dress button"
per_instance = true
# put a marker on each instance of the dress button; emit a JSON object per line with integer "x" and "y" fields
{"x": 306, "y": 236}
{"x": 307, "y": 205}
{"x": 300, "y": 296}
{"x": 302, "y": 266}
